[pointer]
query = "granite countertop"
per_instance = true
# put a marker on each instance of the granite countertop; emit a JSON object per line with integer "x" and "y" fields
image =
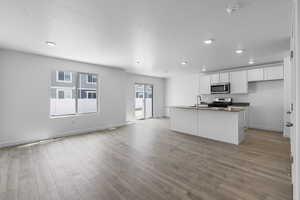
{"x": 241, "y": 104}
{"x": 209, "y": 108}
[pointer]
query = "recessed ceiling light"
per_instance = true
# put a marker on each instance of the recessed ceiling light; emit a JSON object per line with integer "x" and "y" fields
{"x": 239, "y": 51}
{"x": 203, "y": 68}
{"x": 251, "y": 62}
{"x": 209, "y": 41}
{"x": 51, "y": 44}
{"x": 232, "y": 8}
{"x": 184, "y": 62}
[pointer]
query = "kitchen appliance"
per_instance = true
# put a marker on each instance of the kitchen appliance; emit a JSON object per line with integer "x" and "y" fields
{"x": 221, "y": 102}
{"x": 222, "y": 88}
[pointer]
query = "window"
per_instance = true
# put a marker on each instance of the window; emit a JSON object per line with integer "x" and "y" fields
{"x": 71, "y": 93}
{"x": 64, "y": 93}
{"x": 91, "y": 79}
{"x": 65, "y": 77}
{"x": 139, "y": 95}
{"x": 91, "y": 95}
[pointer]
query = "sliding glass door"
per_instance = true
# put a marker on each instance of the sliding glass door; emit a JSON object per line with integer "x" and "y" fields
{"x": 143, "y": 101}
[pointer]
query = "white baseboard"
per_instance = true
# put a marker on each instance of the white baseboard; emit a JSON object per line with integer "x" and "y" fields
{"x": 58, "y": 135}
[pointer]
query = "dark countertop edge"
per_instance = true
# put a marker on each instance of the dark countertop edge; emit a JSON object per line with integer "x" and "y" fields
{"x": 240, "y": 104}
{"x": 208, "y": 108}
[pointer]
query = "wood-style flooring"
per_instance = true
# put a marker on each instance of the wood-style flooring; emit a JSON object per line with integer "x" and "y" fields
{"x": 146, "y": 161}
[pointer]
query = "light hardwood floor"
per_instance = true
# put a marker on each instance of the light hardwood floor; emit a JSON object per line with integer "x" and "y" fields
{"x": 146, "y": 161}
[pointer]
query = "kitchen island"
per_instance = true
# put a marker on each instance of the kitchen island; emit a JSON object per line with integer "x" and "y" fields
{"x": 221, "y": 124}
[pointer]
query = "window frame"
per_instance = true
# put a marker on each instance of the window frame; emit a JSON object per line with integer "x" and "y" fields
{"x": 91, "y": 92}
{"x": 87, "y": 80}
{"x": 76, "y": 95}
{"x": 64, "y": 81}
{"x": 64, "y": 90}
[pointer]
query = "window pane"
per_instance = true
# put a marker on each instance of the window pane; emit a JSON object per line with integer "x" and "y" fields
{"x": 62, "y": 100}
{"x": 90, "y": 79}
{"x": 91, "y": 95}
{"x": 87, "y": 98}
{"x": 61, "y": 76}
{"x": 94, "y": 79}
{"x": 67, "y": 76}
{"x": 61, "y": 94}
{"x": 69, "y": 89}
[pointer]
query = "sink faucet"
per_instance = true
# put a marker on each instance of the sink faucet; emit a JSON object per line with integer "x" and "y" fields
{"x": 199, "y": 100}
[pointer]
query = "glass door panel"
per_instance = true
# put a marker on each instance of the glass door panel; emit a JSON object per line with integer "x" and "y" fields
{"x": 148, "y": 101}
{"x": 139, "y": 107}
{"x": 143, "y": 108}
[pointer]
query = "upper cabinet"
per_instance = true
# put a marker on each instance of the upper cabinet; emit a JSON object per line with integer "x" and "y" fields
{"x": 238, "y": 82}
{"x": 219, "y": 78}
{"x": 273, "y": 73}
{"x": 204, "y": 84}
{"x": 239, "y": 79}
{"x": 224, "y": 77}
{"x": 214, "y": 78}
{"x": 256, "y": 75}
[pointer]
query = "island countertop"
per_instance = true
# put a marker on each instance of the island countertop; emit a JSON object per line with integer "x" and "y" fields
{"x": 229, "y": 109}
{"x": 216, "y": 123}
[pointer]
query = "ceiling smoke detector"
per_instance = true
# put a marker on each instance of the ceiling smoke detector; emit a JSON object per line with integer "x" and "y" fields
{"x": 232, "y": 8}
{"x": 184, "y": 63}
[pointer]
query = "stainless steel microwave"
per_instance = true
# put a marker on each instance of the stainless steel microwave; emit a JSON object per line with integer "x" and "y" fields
{"x": 222, "y": 88}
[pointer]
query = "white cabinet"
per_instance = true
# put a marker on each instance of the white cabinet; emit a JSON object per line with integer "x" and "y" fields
{"x": 238, "y": 82}
{"x": 245, "y": 114}
{"x": 224, "y": 77}
{"x": 204, "y": 84}
{"x": 184, "y": 120}
{"x": 255, "y": 74}
{"x": 214, "y": 78}
{"x": 273, "y": 73}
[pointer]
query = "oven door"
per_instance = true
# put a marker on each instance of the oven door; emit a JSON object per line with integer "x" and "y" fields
{"x": 220, "y": 89}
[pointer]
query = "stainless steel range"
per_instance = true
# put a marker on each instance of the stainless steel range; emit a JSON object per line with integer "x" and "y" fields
{"x": 221, "y": 102}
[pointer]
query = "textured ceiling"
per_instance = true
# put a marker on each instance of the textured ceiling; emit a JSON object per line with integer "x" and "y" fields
{"x": 160, "y": 34}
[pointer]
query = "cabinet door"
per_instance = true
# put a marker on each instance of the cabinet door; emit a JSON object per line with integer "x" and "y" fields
{"x": 214, "y": 78}
{"x": 204, "y": 85}
{"x": 238, "y": 82}
{"x": 224, "y": 77}
{"x": 273, "y": 73}
{"x": 255, "y": 74}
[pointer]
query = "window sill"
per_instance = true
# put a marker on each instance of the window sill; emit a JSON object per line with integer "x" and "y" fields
{"x": 74, "y": 116}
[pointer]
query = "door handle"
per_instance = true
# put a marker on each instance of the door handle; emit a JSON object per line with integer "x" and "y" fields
{"x": 289, "y": 124}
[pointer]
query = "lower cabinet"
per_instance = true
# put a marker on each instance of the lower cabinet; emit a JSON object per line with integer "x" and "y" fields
{"x": 184, "y": 120}
{"x": 222, "y": 126}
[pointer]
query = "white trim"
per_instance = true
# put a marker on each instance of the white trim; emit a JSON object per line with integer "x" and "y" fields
{"x": 296, "y": 188}
{"x": 56, "y": 135}
{"x": 64, "y": 81}
{"x": 62, "y": 87}
{"x": 94, "y": 89}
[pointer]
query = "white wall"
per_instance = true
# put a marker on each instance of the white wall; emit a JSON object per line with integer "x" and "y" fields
{"x": 266, "y": 104}
{"x": 182, "y": 90}
{"x": 266, "y": 99}
{"x": 158, "y": 94}
{"x": 25, "y": 98}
